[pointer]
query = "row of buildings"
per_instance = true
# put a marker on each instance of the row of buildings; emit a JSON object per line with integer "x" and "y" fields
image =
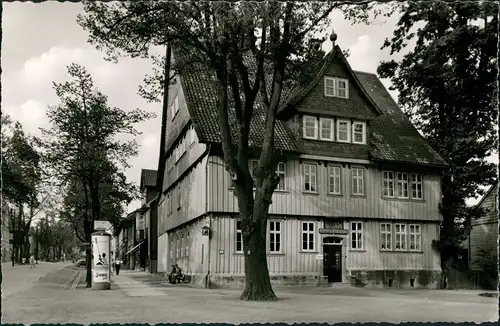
{"x": 358, "y": 197}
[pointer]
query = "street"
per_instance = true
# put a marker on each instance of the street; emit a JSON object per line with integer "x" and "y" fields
{"x": 55, "y": 293}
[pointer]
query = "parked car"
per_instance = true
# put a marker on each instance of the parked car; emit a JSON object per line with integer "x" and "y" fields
{"x": 81, "y": 262}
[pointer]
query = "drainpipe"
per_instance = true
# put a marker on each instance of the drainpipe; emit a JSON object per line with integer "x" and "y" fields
{"x": 209, "y": 218}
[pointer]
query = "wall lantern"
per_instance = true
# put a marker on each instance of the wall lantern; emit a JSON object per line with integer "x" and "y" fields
{"x": 205, "y": 230}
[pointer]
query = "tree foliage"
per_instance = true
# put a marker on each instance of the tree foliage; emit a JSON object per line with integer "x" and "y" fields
{"x": 22, "y": 180}
{"x": 54, "y": 237}
{"x": 84, "y": 150}
{"x": 252, "y": 49}
{"x": 447, "y": 85}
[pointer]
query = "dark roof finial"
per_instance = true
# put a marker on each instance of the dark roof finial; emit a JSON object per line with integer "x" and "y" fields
{"x": 333, "y": 37}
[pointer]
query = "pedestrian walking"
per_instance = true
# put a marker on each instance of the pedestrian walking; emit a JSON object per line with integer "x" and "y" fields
{"x": 118, "y": 263}
{"x": 32, "y": 261}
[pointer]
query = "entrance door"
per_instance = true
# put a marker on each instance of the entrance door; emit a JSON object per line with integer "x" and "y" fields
{"x": 332, "y": 262}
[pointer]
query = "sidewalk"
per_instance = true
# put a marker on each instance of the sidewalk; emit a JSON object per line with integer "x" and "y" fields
{"x": 132, "y": 287}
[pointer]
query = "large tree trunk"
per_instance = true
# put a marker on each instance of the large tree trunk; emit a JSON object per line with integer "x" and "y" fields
{"x": 257, "y": 282}
{"x": 254, "y": 224}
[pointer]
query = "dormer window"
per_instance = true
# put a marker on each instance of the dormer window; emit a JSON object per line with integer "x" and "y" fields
{"x": 310, "y": 126}
{"x": 343, "y": 132}
{"x": 336, "y": 87}
{"x": 359, "y": 132}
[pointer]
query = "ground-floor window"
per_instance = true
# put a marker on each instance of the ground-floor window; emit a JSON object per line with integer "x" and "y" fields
{"x": 406, "y": 236}
{"x": 308, "y": 236}
{"x": 274, "y": 236}
{"x": 400, "y": 238}
{"x": 239, "y": 237}
{"x": 385, "y": 236}
{"x": 356, "y": 235}
{"x": 415, "y": 237}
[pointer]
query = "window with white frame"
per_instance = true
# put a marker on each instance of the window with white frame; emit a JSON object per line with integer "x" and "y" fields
{"x": 182, "y": 245}
{"x": 308, "y": 233}
{"x": 326, "y": 129}
{"x": 239, "y": 237}
{"x": 334, "y": 180}
{"x": 177, "y": 248}
{"x": 416, "y": 186}
{"x": 174, "y": 107}
{"x": 356, "y": 235}
{"x": 179, "y": 197}
{"x": 388, "y": 183}
{"x": 280, "y": 171}
{"x": 274, "y": 236}
{"x": 358, "y": 186}
{"x": 187, "y": 243}
{"x": 192, "y": 136}
{"x": 310, "y": 127}
{"x": 415, "y": 235}
{"x": 183, "y": 145}
{"x": 171, "y": 248}
{"x": 336, "y": 87}
{"x": 400, "y": 236}
{"x": 402, "y": 179}
{"x": 342, "y": 88}
{"x": 385, "y": 236}
{"x": 253, "y": 166}
{"x": 359, "y": 132}
{"x": 330, "y": 86}
{"x": 310, "y": 177}
{"x": 343, "y": 131}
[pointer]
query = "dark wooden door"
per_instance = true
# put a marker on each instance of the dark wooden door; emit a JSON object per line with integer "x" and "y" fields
{"x": 332, "y": 263}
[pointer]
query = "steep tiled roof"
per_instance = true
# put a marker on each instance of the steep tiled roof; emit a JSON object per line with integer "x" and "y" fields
{"x": 393, "y": 136}
{"x": 199, "y": 86}
{"x": 148, "y": 178}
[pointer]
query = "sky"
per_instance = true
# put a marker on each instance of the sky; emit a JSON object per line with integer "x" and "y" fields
{"x": 40, "y": 40}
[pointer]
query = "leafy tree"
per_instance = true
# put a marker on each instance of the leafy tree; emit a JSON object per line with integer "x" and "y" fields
{"x": 23, "y": 181}
{"x": 447, "y": 85}
{"x": 252, "y": 50}
{"x": 112, "y": 198}
{"x": 487, "y": 260}
{"x": 83, "y": 150}
{"x": 53, "y": 237}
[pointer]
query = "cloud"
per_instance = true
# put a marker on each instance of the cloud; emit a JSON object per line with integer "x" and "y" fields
{"x": 31, "y": 114}
{"x": 150, "y": 141}
{"x": 51, "y": 64}
{"x": 364, "y": 55}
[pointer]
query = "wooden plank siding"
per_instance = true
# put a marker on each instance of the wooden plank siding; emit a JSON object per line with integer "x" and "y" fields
{"x": 190, "y": 253}
{"x": 175, "y": 170}
{"x": 291, "y": 260}
{"x": 294, "y": 201}
{"x": 192, "y": 191}
{"x": 373, "y": 258}
{"x": 294, "y": 261}
{"x": 484, "y": 232}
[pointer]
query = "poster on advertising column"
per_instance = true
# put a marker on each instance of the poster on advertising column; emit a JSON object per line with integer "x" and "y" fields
{"x": 100, "y": 260}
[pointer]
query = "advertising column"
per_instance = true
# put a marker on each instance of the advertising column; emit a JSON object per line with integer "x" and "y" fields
{"x": 100, "y": 261}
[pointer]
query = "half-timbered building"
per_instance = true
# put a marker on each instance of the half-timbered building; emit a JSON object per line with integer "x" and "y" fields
{"x": 358, "y": 195}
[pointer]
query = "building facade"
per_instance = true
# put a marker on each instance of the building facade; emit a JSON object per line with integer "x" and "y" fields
{"x": 148, "y": 203}
{"x": 358, "y": 195}
{"x": 484, "y": 231}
